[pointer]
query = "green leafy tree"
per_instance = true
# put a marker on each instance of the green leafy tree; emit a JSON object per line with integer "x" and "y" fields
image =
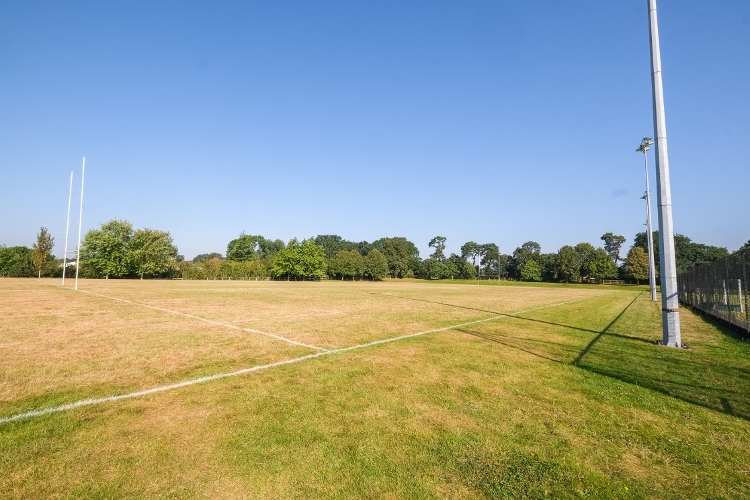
{"x": 438, "y": 243}
{"x": 612, "y": 245}
{"x": 375, "y": 265}
{"x": 533, "y": 247}
{"x": 548, "y": 264}
{"x": 402, "y": 255}
{"x": 207, "y": 256}
{"x": 503, "y": 265}
{"x": 688, "y": 254}
{"x": 16, "y": 262}
{"x": 246, "y": 247}
{"x": 636, "y": 264}
{"x": 433, "y": 268}
{"x": 152, "y": 252}
{"x": 300, "y": 260}
{"x": 530, "y": 271}
{"x": 346, "y": 264}
{"x": 471, "y": 250}
{"x": 364, "y": 248}
{"x": 269, "y": 248}
{"x": 463, "y": 269}
{"x": 568, "y": 264}
{"x": 105, "y": 250}
{"x": 490, "y": 254}
{"x": 43, "y": 250}
{"x": 531, "y": 250}
{"x": 601, "y": 266}
{"x": 585, "y": 253}
{"x": 333, "y": 244}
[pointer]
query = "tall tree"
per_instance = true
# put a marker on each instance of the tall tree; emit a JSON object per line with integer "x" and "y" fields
{"x": 688, "y": 254}
{"x": 105, "y": 250}
{"x": 612, "y": 244}
{"x": 300, "y": 260}
{"x": 16, "y": 262}
{"x": 601, "y": 266}
{"x": 375, "y": 265}
{"x": 463, "y": 269}
{"x": 152, "y": 252}
{"x": 402, "y": 255}
{"x": 346, "y": 264}
{"x": 438, "y": 243}
{"x": 503, "y": 265}
{"x": 434, "y": 269}
{"x": 530, "y": 271}
{"x": 636, "y": 264}
{"x": 585, "y": 253}
{"x": 532, "y": 246}
{"x": 269, "y": 248}
{"x": 490, "y": 254}
{"x": 531, "y": 250}
{"x": 332, "y": 244}
{"x": 43, "y": 249}
{"x": 471, "y": 250}
{"x": 568, "y": 264}
{"x": 246, "y": 247}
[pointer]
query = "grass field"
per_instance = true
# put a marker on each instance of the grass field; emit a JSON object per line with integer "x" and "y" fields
{"x": 364, "y": 390}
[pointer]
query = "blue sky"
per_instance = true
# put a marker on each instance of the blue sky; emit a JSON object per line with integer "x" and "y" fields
{"x": 487, "y": 121}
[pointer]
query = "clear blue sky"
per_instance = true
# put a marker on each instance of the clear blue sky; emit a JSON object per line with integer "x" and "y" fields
{"x": 488, "y": 121}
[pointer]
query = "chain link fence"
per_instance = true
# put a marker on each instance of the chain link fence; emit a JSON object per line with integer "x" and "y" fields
{"x": 719, "y": 289}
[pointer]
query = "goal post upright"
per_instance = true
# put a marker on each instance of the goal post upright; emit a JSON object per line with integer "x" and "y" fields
{"x": 80, "y": 220}
{"x": 67, "y": 227}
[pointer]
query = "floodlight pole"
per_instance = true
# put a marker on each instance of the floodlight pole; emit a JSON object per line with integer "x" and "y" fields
{"x": 669, "y": 298}
{"x": 645, "y": 146}
{"x": 67, "y": 226}
{"x": 80, "y": 220}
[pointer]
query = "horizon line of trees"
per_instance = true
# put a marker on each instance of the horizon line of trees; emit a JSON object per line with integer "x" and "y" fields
{"x": 116, "y": 250}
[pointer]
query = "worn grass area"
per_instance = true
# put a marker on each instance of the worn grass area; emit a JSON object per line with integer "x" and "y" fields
{"x": 561, "y": 402}
{"x": 333, "y": 314}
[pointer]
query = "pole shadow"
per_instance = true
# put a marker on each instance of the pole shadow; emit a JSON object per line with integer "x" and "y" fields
{"x": 633, "y": 360}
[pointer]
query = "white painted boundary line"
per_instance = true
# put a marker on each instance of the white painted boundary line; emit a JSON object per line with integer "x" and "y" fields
{"x": 177, "y": 385}
{"x": 226, "y": 325}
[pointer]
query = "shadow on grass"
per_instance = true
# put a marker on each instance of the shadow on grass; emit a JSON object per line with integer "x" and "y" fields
{"x": 711, "y": 377}
{"x": 726, "y": 328}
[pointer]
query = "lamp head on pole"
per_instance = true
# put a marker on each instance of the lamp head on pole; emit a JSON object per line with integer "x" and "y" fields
{"x": 646, "y": 144}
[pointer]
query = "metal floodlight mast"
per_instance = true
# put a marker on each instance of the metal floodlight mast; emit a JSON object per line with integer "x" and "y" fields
{"x": 669, "y": 299}
{"x": 644, "y": 147}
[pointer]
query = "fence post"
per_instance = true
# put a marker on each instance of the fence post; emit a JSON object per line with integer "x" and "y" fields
{"x": 744, "y": 284}
{"x": 726, "y": 289}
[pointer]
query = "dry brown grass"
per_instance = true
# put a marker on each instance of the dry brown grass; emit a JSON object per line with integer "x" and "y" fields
{"x": 58, "y": 345}
{"x": 334, "y": 314}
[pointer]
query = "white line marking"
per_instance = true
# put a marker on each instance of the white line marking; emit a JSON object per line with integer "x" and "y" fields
{"x": 177, "y": 385}
{"x": 226, "y": 325}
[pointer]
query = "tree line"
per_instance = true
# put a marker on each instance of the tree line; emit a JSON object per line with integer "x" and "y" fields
{"x": 117, "y": 250}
